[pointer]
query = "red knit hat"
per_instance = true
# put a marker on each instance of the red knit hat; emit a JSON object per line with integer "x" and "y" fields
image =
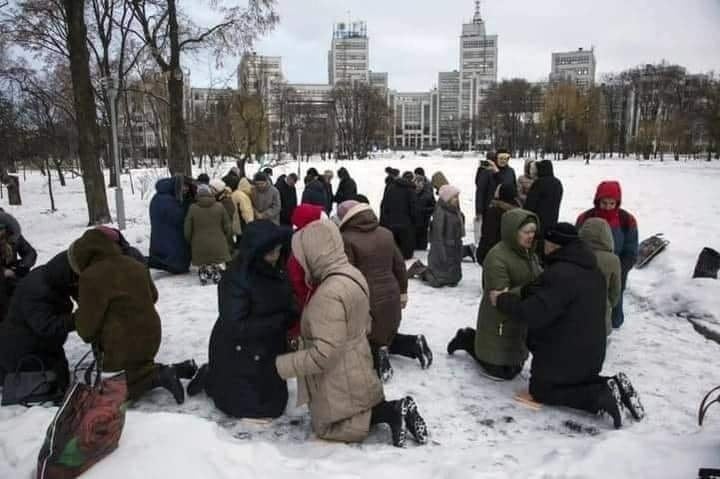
{"x": 305, "y": 214}
{"x": 609, "y": 189}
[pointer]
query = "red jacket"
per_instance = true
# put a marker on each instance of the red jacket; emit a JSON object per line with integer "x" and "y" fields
{"x": 302, "y": 216}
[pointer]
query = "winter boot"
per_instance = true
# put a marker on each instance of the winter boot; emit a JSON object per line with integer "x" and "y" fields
{"x": 708, "y": 264}
{"x": 610, "y": 403}
{"x": 630, "y": 397}
{"x": 216, "y": 273}
{"x": 382, "y": 362}
{"x": 397, "y": 422}
{"x": 415, "y": 423}
{"x": 416, "y": 269}
{"x": 204, "y": 274}
{"x": 459, "y": 341}
{"x": 166, "y": 377}
{"x": 423, "y": 352}
{"x": 468, "y": 251}
{"x": 197, "y": 384}
{"x": 186, "y": 369}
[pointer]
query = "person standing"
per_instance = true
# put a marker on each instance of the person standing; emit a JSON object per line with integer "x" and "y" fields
{"x": 347, "y": 189}
{"x": 334, "y": 366}
{"x": 492, "y": 222}
{"x": 608, "y": 199}
{"x": 327, "y": 178}
{"x": 425, "y": 209}
{"x": 169, "y": 251}
{"x": 288, "y": 197}
{"x": 544, "y": 199}
{"x": 265, "y": 199}
{"x": 223, "y": 195}
{"x": 526, "y": 180}
{"x": 398, "y": 212}
{"x": 209, "y": 231}
{"x": 499, "y": 342}
{"x": 371, "y": 248}
{"x": 564, "y": 310}
{"x": 484, "y": 188}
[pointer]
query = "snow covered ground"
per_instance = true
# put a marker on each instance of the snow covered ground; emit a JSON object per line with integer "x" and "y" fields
{"x": 477, "y": 429}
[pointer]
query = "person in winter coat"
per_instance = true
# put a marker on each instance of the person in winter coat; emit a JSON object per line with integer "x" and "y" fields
{"x": 17, "y": 257}
{"x": 242, "y": 197}
{"x": 371, "y": 249}
{"x": 484, "y": 185}
{"x": 203, "y": 179}
{"x": 597, "y": 235}
{"x": 116, "y": 313}
{"x": 544, "y": 199}
{"x": 169, "y": 251}
{"x": 347, "y": 189}
{"x": 424, "y": 210}
{"x": 223, "y": 195}
{"x": 446, "y": 249}
{"x": 288, "y": 197}
{"x": 491, "y": 232}
{"x": 39, "y": 319}
{"x": 499, "y": 343}
{"x": 117, "y": 237}
{"x": 438, "y": 180}
{"x": 256, "y": 308}
{"x": 334, "y": 366}
{"x": 564, "y": 310}
{"x": 315, "y": 194}
{"x": 208, "y": 229}
{"x": 526, "y": 180}
{"x": 608, "y": 200}
{"x": 398, "y": 212}
{"x": 265, "y": 199}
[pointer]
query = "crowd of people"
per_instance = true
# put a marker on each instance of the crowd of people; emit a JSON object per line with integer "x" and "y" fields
{"x": 304, "y": 293}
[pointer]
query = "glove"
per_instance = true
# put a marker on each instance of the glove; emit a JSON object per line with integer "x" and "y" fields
{"x": 403, "y": 300}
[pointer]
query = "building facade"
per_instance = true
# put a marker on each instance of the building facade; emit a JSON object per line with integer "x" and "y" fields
{"x": 577, "y": 67}
{"x": 349, "y": 55}
{"x": 414, "y": 122}
{"x": 448, "y": 112}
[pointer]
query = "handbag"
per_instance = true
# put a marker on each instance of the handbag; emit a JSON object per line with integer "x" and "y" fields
{"x": 30, "y": 387}
{"x": 87, "y": 426}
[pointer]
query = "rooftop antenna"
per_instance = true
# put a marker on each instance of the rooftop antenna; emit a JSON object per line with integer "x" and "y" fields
{"x": 477, "y": 18}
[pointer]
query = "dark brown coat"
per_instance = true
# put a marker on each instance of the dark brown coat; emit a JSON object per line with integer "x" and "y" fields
{"x": 372, "y": 249}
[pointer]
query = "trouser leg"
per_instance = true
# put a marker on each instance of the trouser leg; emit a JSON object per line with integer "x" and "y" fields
{"x": 404, "y": 345}
{"x": 583, "y": 396}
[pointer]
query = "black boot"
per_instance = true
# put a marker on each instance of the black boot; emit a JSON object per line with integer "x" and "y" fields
{"x": 416, "y": 269}
{"x": 610, "y": 403}
{"x": 186, "y": 369}
{"x": 424, "y": 355}
{"x": 630, "y": 397}
{"x": 461, "y": 340}
{"x": 197, "y": 383}
{"x": 167, "y": 378}
{"x": 392, "y": 413}
{"x": 708, "y": 264}
{"x": 415, "y": 423}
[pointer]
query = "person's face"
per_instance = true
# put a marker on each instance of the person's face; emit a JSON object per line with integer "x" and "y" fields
{"x": 290, "y": 181}
{"x": 550, "y": 247}
{"x": 455, "y": 201}
{"x": 261, "y": 185}
{"x": 272, "y": 256}
{"x": 526, "y": 235}
{"x": 608, "y": 204}
{"x": 502, "y": 162}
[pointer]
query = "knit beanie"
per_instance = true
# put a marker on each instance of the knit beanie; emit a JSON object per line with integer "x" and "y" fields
{"x": 218, "y": 185}
{"x": 345, "y": 206}
{"x": 562, "y": 234}
{"x": 448, "y": 192}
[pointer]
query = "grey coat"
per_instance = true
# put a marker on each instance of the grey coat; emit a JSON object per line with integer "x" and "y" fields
{"x": 267, "y": 204}
{"x": 445, "y": 257}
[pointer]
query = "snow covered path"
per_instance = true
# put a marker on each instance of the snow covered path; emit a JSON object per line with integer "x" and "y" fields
{"x": 477, "y": 429}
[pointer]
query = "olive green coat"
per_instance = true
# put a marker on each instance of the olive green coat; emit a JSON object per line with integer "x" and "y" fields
{"x": 501, "y": 340}
{"x": 208, "y": 229}
{"x": 597, "y": 234}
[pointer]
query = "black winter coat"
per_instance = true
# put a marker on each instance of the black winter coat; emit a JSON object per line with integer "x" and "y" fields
{"x": 347, "y": 190}
{"x": 40, "y": 317}
{"x": 288, "y": 200}
{"x": 565, "y": 312}
{"x": 491, "y": 231}
{"x": 545, "y": 196}
{"x": 399, "y": 205}
{"x": 256, "y": 308}
{"x": 487, "y": 183}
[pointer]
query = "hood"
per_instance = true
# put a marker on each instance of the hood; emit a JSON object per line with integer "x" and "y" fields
{"x": 608, "y": 189}
{"x": 577, "y": 253}
{"x": 320, "y": 250}
{"x": 280, "y": 181}
{"x": 360, "y": 217}
{"x": 12, "y": 225}
{"x": 343, "y": 174}
{"x": 205, "y": 200}
{"x": 92, "y": 247}
{"x": 245, "y": 186}
{"x": 545, "y": 168}
{"x": 231, "y": 180}
{"x": 261, "y": 236}
{"x": 315, "y": 193}
{"x": 438, "y": 180}
{"x": 597, "y": 234}
{"x": 166, "y": 186}
{"x": 511, "y": 222}
{"x": 306, "y": 214}
{"x": 60, "y": 276}
{"x": 528, "y": 167}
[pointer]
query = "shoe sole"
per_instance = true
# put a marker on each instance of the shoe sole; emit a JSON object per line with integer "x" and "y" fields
{"x": 629, "y": 397}
{"x": 426, "y": 356}
{"x": 415, "y": 422}
{"x": 400, "y": 439}
{"x": 615, "y": 390}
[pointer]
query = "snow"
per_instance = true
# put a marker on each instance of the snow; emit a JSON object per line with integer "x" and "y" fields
{"x": 477, "y": 429}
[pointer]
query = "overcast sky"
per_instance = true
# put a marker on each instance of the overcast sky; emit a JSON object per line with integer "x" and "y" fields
{"x": 413, "y": 40}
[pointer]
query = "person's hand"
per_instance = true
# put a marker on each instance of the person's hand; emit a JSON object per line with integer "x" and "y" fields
{"x": 403, "y": 300}
{"x": 494, "y": 294}
{"x": 8, "y": 273}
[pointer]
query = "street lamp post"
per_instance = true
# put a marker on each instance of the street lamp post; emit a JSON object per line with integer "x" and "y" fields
{"x": 111, "y": 87}
{"x": 299, "y": 133}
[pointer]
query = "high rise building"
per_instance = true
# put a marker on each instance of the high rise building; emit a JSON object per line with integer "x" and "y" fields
{"x": 349, "y": 55}
{"x": 414, "y": 125}
{"x": 577, "y": 67}
{"x": 259, "y": 73}
{"x": 448, "y": 112}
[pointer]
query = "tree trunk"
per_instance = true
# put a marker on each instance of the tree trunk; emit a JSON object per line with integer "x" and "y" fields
{"x": 93, "y": 180}
{"x": 61, "y": 175}
{"x": 50, "y": 190}
{"x": 13, "y": 189}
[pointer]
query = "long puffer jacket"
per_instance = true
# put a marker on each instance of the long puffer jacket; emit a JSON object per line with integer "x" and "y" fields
{"x": 256, "y": 307}
{"x": 169, "y": 250}
{"x": 208, "y": 229}
{"x": 334, "y": 366}
{"x": 445, "y": 257}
